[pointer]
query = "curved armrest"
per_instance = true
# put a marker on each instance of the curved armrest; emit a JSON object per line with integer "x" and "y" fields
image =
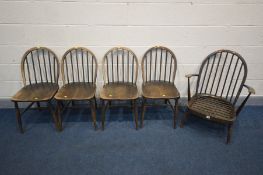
{"x": 189, "y": 89}
{"x": 250, "y": 91}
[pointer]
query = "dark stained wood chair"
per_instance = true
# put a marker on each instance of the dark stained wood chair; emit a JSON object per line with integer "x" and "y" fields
{"x": 120, "y": 71}
{"x": 158, "y": 72}
{"x": 79, "y": 74}
{"x": 40, "y": 72}
{"x": 221, "y": 78}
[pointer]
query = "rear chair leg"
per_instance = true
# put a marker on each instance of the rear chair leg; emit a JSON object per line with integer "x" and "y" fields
{"x": 184, "y": 119}
{"x": 93, "y": 113}
{"x": 39, "y": 106}
{"x": 229, "y": 132}
{"x": 143, "y": 111}
{"x": 18, "y": 118}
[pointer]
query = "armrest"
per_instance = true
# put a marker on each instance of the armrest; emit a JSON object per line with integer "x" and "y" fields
{"x": 191, "y": 75}
{"x": 189, "y": 89}
{"x": 250, "y": 89}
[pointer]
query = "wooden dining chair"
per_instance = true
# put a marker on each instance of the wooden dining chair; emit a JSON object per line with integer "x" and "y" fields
{"x": 79, "y": 73}
{"x": 40, "y": 72}
{"x": 120, "y": 71}
{"x": 220, "y": 80}
{"x": 158, "y": 73}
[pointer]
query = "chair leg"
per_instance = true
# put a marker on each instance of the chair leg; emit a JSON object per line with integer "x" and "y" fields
{"x": 135, "y": 111}
{"x": 53, "y": 115}
{"x": 185, "y": 118}
{"x": 18, "y": 118}
{"x": 93, "y": 113}
{"x": 38, "y": 106}
{"x": 175, "y": 113}
{"x": 72, "y": 103}
{"x": 104, "y": 108}
{"x": 143, "y": 111}
{"x": 96, "y": 106}
{"x": 229, "y": 132}
{"x": 58, "y": 114}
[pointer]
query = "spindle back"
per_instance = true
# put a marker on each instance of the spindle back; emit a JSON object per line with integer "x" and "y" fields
{"x": 39, "y": 65}
{"x": 120, "y": 65}
{"x": 159, "y": 64}
{"x": 79, "y": 64}
{"x": 222, "y": 74}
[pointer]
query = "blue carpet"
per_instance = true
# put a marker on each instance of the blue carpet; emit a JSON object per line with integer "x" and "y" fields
{"x": 156, "y": 149}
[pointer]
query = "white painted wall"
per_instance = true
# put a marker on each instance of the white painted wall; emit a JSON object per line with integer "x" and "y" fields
{"x": 191, "y": 28}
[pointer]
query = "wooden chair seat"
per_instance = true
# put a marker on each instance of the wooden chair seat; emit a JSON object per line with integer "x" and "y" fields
{"x": 76, "y": 91}
{"x": 119, "y": 91}
{"x": 36, "y": 92}
{"x": 212, "y": 108}
{"x": 159, "y": 90}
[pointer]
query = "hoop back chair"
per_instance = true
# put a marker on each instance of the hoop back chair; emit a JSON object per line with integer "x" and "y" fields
{"x": 79, "y": 73}
{"x": 158, "y": 72}
{"x": 120, "y": 71}
{"x": 40, "y": 72}
{"x": 221, "y": 78}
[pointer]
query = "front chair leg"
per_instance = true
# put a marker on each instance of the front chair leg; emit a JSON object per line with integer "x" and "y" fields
{"x": 187, "y": 113}
{"x": 229, "y": 132}
{"x": 143, "y": 111}
{"x": 53, "y": 115}
{"x": 175, "y": 113}
{"x": 104, "y": 108}
{"x": 95, "y": 101}
{"x": 18, "y": 118}
{"x": 135, "y": 111}
{"x": 93, "y": 113}
{"x": 58, "y": 114}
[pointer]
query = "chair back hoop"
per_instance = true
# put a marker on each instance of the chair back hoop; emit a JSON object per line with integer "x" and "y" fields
{"x": 222, "y": 74}
{"x": 79, "y": 64}
{"x": 159, "y": 64}
{"x": 120, "y": 65}
{"x": 39, "y": 65}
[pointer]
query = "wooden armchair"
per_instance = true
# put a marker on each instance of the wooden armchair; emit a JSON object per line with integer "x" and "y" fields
{"x": 158, "y": 72}
{"x": 79, "y": 73}
{"x": 40, "y": 72}
{"x": 120, "y": 71}
{"x": 221, "y": 78}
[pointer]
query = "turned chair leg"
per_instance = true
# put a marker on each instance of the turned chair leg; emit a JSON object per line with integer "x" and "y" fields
{"x": 95, "y": 101}
{"x": 229, "y": 132}
{"x": 143, "y": 111}
{"x": 53, "y": 115}
{"x": 175, "y": 113}
{"x": 104, "y": 108}
{"x": 39, "y": 106}
{"x": 18, "y": 118}
{"x": 58, "y": 114}
{"x": 185, "y": 118}
{"x": 93, "y": 113}
{"x": 135, "y": 111}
